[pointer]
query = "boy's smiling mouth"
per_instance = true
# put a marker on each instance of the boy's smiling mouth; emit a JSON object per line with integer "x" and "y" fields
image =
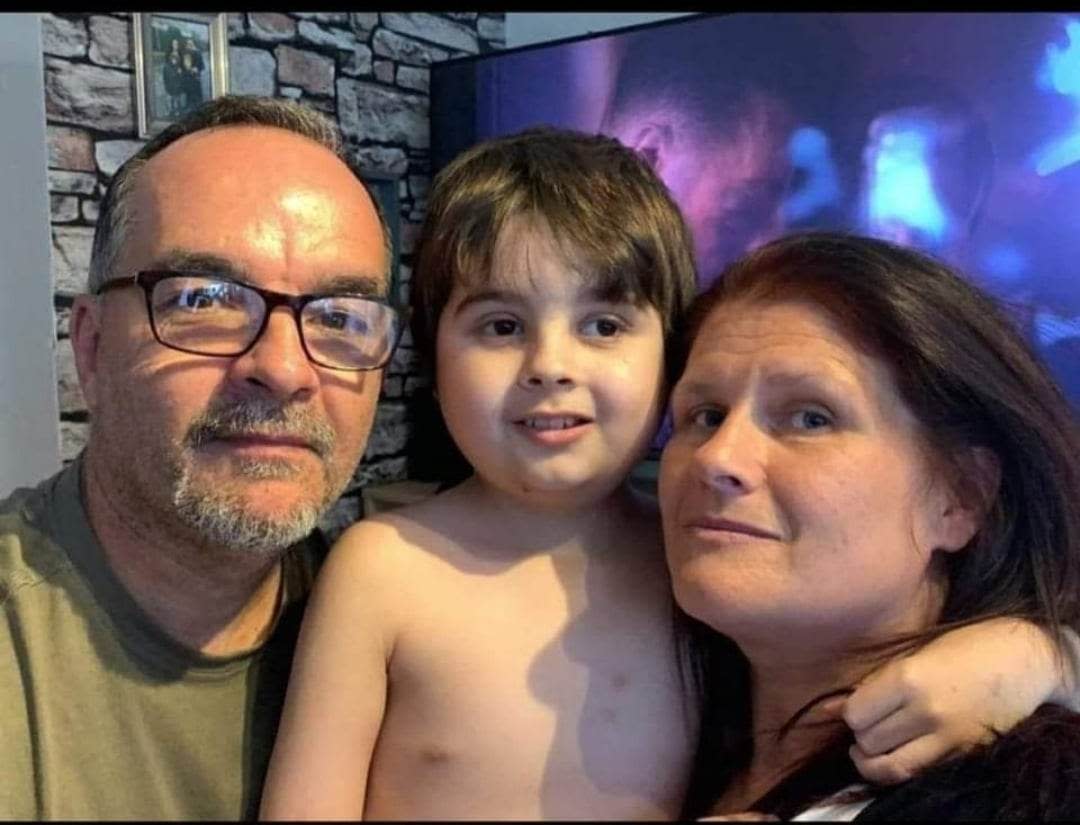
{"x": 553, "y": 429}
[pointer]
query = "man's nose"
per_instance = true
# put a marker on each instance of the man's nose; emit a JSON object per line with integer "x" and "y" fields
{"x": 277, "y": 361}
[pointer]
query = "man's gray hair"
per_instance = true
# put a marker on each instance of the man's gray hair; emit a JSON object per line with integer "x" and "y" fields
{"x": 116, "y": 215}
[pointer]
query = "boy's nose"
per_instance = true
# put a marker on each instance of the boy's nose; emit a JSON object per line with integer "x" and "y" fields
{"x": 548, "y": 363}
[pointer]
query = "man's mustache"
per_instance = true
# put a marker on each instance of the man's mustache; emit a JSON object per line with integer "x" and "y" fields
{"x": 261, "y": 417}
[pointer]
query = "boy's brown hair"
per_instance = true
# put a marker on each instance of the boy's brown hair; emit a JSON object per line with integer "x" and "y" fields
{"x": 603, "y": 203}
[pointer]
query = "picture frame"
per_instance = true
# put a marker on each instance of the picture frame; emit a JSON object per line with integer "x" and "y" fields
{"x": 181, "y": 59}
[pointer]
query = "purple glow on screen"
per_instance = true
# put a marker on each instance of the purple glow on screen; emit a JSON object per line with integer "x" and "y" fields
{"x": 955, "y": 133}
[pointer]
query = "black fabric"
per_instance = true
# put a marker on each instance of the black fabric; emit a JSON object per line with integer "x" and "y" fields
{"x": 1030, "y": 773}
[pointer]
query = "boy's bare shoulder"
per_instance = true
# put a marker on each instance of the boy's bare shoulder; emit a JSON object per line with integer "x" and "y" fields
{"x": 411, "y": 535}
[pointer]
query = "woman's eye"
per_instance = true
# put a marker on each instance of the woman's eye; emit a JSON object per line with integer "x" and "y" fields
{"x": 709, "y": 418}
{"x": 811, "y": 418}
{"x": 602, "y": 327}
{"x": 502, "y": 327}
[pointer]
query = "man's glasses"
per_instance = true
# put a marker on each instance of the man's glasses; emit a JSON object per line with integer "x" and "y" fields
{"x": 208, "y": 315}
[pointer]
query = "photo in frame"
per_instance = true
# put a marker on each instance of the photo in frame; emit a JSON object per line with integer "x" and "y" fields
{"x": 181, "y": 60}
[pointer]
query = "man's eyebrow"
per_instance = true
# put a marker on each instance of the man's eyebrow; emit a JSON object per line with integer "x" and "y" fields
{"x": 352, "y": 284}
{"x": 184, "y": 260}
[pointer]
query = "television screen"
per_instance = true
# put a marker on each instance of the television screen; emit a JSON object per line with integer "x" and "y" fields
{"x": 955, "y": 133}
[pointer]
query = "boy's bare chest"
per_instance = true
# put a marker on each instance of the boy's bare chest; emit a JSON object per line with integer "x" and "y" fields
{"x": 559, "y": 690}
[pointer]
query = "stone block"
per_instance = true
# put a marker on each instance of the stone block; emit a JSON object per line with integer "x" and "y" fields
{"x": 419, "y": 185}
{"x": 251, "y": 71}
{"x": 416, "y": 382}
{"x": 312, "y": 72}
{"x": 89, "y": 96}
{"x": 73, "y": 435}
{"x": 63, "y": 37}
{"x": 110, "y": 41}
{"x": 404, "y": 49}
{"x": 90, "y": 210}
{"x": 388, "y": 160}
{"x": 491, "y": 27}
{"x": 325, "y": 105}
{"x": 71, "y": 247}
{"x": 380, "y": 472}
{"x": 372, "y": 112}
{"x": 63, "y": 322}
{"x": 433, "y": 28}
{"x": 336, "y": 17}
{"x": 384, "y": 71}
{"x": 68, "y": 391}
{"x": 358, "y": 62}
{"x": 344, "y": 512}
{"x": 111, "y": 154}
{"x": 414, "y": 77}
{"x": 392, "y": 387}
{"x": 63, "y": 208}
{"x": 236, "y": 25}
{"x": 410, "y": 234}
{"x": 79, "y": 183}
{"x": 322, "y": 36}
{"x": 271, "y": 26}
{"x": 364, "y": 21}
{"x": 70, "y": 149}
{"x": 292, "y": 92}
{"x": 406, "y": 361}
{"x": 390, "y": 432}
{"x": 465, "y": 16}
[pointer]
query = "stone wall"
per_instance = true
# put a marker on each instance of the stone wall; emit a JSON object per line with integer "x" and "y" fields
{"x": 369, "y": 70}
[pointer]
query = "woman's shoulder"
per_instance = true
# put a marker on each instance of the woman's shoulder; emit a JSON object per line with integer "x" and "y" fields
{"x": 1031, "y": 772}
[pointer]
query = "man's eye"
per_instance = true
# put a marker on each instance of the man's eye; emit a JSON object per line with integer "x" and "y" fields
{"x": 342, "y": 322}
{"x": 198, "y": 298}
{"x": 603, "y": 327}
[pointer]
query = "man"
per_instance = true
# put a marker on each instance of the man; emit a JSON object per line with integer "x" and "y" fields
{"x": 712, "y": 104}
{"x": 229, "y": 350}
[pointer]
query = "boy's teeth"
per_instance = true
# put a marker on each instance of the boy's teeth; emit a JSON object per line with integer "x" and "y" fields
{"x": 549, "y": 423}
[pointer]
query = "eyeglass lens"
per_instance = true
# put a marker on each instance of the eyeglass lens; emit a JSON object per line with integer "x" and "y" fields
{"x": 215, "y": 317}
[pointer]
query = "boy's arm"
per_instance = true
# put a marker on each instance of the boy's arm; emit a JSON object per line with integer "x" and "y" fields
{"x": 337, "y": 690}
{"x": 951, "y": 694}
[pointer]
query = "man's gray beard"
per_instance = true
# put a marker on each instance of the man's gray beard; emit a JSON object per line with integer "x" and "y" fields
{"x": 223, "y": 519}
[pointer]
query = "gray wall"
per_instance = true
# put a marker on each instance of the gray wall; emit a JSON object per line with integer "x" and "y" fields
{"x": 29, "y": 442}
{"x": 525, "y": 28}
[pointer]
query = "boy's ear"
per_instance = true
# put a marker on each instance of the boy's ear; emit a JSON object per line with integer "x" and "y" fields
{"x": 653, "y": 142}
{"x": 85, "y": 328}
{"x": 969, "y": 497}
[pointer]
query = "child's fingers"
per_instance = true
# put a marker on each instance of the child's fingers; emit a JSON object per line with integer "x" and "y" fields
{"x": 901, "y": 764}
{"x": 877, "y": 696}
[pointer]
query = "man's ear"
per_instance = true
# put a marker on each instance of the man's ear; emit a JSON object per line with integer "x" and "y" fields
{"x": 653, "y": 141}
{"x": 969, "y": 498}
{"x": 85, "y": 338}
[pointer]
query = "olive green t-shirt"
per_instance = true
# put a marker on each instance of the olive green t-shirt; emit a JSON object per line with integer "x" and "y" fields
{"x": 104, "y": 716}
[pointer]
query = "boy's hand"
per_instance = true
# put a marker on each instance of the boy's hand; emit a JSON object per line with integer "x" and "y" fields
{"x": 950, "y": 695}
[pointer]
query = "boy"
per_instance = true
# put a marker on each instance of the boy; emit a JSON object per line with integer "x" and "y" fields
{"x": 505, "y": 650}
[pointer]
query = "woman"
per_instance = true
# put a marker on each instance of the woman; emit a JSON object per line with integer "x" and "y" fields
{"x": 865, "y": 455}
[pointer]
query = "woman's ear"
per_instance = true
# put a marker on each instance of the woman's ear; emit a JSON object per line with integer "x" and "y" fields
{"x": 968, "y": 499}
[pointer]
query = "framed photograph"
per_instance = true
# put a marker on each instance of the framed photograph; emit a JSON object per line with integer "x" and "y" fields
{"x": 181, "y": 60}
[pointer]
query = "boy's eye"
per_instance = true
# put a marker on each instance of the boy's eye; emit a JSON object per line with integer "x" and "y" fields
{"x": 603, "y": 327}
{"x": 502, "y": 327}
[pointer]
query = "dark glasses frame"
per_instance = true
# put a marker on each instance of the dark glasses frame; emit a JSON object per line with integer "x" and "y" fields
{"x": 147, "y": 279}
